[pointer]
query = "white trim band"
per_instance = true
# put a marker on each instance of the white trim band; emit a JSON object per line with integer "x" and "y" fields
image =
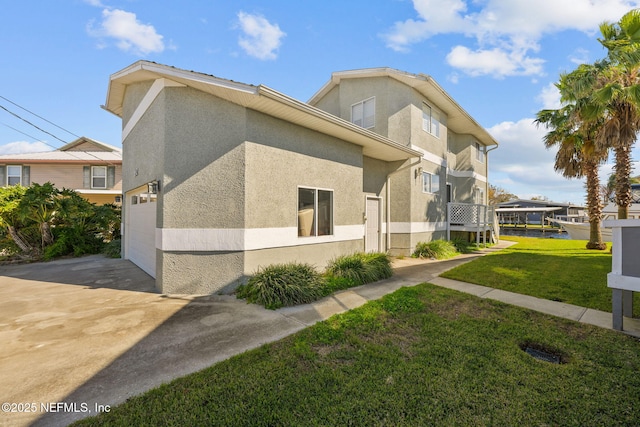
{"x": 239, "y": 239}
{"x": 466, "y": 174}
{"x": 417, "y": 227}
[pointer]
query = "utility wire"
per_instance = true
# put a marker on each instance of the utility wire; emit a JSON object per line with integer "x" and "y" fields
{"x": 40, "y": 117}
{"x": 30, "y": 136}
{"x": 31, "y": 124}
{"x": 48, "y": 133}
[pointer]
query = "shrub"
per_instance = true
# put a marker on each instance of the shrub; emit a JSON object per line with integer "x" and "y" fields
{"x": 282, "y": 285}
{"x": 437, "y": 249}
{"x": 113, "y": 249}
{"x": 361, "y": 268}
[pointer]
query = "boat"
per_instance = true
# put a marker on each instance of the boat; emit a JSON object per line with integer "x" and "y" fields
{"x": 581, "y": 231}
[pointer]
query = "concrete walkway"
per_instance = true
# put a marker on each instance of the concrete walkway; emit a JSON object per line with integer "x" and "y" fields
{"x": 410, "y": 271}
{"x": 91, "y": 331}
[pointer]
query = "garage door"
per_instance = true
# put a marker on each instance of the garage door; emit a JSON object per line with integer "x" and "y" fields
{"x": 140, "y": 231}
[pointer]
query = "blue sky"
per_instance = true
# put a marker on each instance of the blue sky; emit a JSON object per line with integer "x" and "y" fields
{"x": 497, "y": 58}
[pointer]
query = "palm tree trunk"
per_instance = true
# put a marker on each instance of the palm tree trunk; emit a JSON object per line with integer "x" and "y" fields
{"x": 18, "y": 240}
{"x": 623, "y": 172}
{"x": 594, "y": 205}
{"x": 47, "y": 237}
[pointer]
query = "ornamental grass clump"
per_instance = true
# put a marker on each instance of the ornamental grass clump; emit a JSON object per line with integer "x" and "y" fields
{"x": 361, "y": 268}
{"x": 282, "y": 285}
{"x": 435, "y": 249}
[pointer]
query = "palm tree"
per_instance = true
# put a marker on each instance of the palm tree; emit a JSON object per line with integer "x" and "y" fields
{"x": 578, "y": 156}
{"x": 617, "y": 96}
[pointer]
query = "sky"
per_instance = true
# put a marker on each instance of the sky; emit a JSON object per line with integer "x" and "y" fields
{"x": 499, "y": 59}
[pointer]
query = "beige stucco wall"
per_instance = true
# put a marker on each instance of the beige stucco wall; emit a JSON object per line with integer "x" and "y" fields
{"x": 281, "y": 157}
{"x": 399, "y": 110}
{"x": 222, "y": 166}
{"x": 317, "y": 255}
{"x": 203, "y": 182}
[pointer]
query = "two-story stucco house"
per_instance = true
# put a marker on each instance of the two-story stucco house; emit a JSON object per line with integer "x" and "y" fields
{"x": 222, "y": 177}
{"x": 91, "y": 168}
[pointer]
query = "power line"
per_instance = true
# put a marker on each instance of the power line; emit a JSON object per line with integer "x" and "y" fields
{"x": 30, "y": 136}
{"x": 40, "y": 117}
{"x": 31, "y": 124}
{"x": 42, "y": 130}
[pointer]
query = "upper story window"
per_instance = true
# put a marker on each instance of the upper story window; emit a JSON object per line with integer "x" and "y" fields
{"x": 364, "y": 113}
{"x": 315, "y": 212}
{"x": 480, "y": 152}
{"x": 430, "y": 120}
{"x": 98, "y": 177}
{"x": 430, "y": 182}
{"x": 14, "y": 175}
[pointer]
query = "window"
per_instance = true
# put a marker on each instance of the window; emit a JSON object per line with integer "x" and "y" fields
{"x": 479, "y": 196}
{"x": 430, "y": 120}
{"x": 14, "y": 175}
{"x": 315, "y": 212}
{"x": 430, "y": 182}
{"x": 98, "y": 177}
{"x": 364, "y": 113}
{"x": 480, "y": 152}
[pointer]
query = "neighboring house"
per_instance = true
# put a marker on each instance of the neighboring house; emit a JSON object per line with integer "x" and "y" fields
{"x": 91, "y": 168}
{"x": 522, "y": 211}
{"x": 221, "y": 178}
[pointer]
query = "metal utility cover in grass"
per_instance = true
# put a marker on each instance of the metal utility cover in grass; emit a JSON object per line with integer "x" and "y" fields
{"x": 542, "y": 355}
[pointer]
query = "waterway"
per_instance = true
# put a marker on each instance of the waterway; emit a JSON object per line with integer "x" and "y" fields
{"x": 547, "y": 233}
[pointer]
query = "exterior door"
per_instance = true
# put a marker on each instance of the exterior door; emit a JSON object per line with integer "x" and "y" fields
{"x": 372, "y": 225}
{"x": 140, "y": 231}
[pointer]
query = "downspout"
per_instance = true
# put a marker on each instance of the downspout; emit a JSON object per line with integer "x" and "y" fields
{"x": 417, "y": 162}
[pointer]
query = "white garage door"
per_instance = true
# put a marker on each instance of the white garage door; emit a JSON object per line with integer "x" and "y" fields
{"x": 140, "y": 231}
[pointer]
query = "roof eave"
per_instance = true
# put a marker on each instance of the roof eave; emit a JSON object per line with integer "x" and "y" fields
{"x": 260, "y": 98}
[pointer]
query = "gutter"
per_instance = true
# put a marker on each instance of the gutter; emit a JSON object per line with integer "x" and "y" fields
{"x": 416, "y": 163}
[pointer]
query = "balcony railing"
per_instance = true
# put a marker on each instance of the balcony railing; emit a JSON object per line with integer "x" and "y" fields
{"x": 474, "y": 218}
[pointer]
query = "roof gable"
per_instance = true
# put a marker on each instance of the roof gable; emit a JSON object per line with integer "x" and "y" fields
{"x": 87, "y": 144}
{"x": 458, "y": 120}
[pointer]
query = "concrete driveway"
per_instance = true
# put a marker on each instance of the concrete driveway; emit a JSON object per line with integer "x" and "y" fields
{"x": 91, "y": 331}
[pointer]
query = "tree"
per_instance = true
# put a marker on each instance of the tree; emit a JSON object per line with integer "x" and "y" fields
{"x": 498, "y": 195}
{"x": 43, "y": 221}
{"x": 574, "y": 137}
{"x": 38, "y": 204}
{"x": 617, "y": 99}
{"x": 9, "y": 214}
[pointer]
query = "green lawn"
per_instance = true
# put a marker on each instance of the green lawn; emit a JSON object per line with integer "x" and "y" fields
{"x": 555, "y": 269}
{"x": 420, "y": 356}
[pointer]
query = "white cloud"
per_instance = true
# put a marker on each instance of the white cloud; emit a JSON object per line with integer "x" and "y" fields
{"x": 506, "y": 31}
{"x": 261, "y": 39}
{"x": 523, "y": 166}
{"x": 22, "y": 147}
{"x": 130, "y": 34}
{"x": 496, "y": 62}
{"x": 550, "y": 97}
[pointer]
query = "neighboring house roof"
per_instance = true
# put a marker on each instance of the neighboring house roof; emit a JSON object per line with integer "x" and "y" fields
{"x": 458, "y": 120}
{"x": 103, "y": 154}
{"x": 523, "y": 203}
{"x": 84, "y": 140}
{"x": 260, "y": 98}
